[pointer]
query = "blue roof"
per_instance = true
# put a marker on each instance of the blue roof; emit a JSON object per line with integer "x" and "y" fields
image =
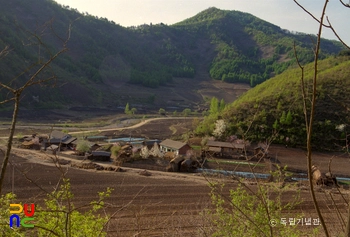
{"x": 125, "y": 139}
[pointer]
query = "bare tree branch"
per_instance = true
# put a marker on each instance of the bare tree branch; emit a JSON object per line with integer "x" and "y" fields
{"x": 309, "y": 121}
{"x": 345, "y": 4}
{"x": 33, "y": 80}
{"x": 305, "y": 10}
{"x": 336, "y": 34}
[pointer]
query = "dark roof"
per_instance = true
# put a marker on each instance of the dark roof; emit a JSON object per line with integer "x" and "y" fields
{"x": 60, "y": 137}
{"x": 172, "y": 144}
{"x": 69, "y": 140}
{"x": 220, "y": 144}
{"x": 225, "y": 144}
{"x": 101, "y": 153}
{"x": 57, "y": 135}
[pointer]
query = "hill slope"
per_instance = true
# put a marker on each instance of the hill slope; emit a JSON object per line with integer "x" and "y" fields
{"x": 105, "y": 60}
{"x": 275, "y": 107}
{"x": 249, "y": 49}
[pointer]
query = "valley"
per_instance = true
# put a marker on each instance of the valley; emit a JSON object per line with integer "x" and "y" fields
{"x": 173, "y": 118}
{"x": 162, "y": 203}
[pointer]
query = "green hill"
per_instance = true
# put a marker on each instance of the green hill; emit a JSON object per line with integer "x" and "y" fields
{"x": 275, "y": 107}
{"x": 232, "y": 46}
{"x": 249, "y": 49}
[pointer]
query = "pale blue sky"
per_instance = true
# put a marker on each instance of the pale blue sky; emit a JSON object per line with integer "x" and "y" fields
{"x": 284, "y": 13}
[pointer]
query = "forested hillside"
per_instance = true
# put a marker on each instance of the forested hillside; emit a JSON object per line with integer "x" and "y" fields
{"x": 274, "y": 109}
{"x": 102, "y": 55}
{"x": 249, "y": 49}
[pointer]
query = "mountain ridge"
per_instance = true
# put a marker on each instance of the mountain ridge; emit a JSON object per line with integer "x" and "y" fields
{"x": 105, "y": 59}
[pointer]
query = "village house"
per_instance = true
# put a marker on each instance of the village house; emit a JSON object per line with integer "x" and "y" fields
{"x": 179, "y": 148}
{"x": 225, "y": 148}
{"x": 60, "y": 139}
{"x": 32, "y": 142}
{"x": 100, "y": 155}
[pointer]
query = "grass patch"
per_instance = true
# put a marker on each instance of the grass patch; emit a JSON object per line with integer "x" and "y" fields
{"x": 344, "y": 182}
{"x": 194, "y": 147}
{"x": 235, "y": 162}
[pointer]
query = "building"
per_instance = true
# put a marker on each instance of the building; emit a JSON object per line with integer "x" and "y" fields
{"x": 100, "y": 155}
{"x": 179, "y": 148}
{"x": 222, "y": 148}
{"x": 63, "y": 140}
{"x": 225, "y": 148}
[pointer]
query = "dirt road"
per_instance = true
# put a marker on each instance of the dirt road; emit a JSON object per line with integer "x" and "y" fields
{"x": 5, "y": 129}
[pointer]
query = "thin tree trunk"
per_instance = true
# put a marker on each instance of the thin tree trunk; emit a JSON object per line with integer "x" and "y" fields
{"x": 311, "y": 120}
{"x": 10, "y": 140}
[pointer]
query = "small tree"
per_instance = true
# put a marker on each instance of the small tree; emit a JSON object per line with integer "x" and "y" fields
{"x": 62, "y": 218}
{"x": 220, "y": 128}
{"x": 127, "y": 109}
{"x": 83, "y": 146}
{"x": 186, "y": 112}
{"x": 249, "y": 213}
{"x": 161, "y": 111}
{"x": 133, "y": 111}
{"x": 214, "y": 106}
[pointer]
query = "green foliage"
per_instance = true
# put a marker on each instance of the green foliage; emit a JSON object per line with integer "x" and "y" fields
{"x": 214, "y": 106}
{"x": 61, "y": 218}
{"x": 5, "y": 230}
{"x": 283, "y": 118}
{"x": 277, "y": 105}
{"x": 248, "y": 213}
{"x": 161, "y": 111}
{"x": 115, "y": 151}
{"x": 127, "y": 109}
{"x": 19, "y": 135}
{"x": 133, "y": 111}
{"x": 222, "y": 105}
{"x": 83, "y": 146}
{"x": 248, "y": 50}
{"x": 207, "y": 126}
{"x": 186, "y": 112}
{"x": 289, "y": 119}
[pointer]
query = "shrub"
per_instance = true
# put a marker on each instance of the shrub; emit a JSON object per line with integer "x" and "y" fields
{"x": 245, "y": 212}
{"x": 61, "y": 218}
{"x": 83, "y": 146}
{"x": 5, "y": 230}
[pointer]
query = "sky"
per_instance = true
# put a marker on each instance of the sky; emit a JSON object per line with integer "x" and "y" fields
{"x": 283, "y": 13}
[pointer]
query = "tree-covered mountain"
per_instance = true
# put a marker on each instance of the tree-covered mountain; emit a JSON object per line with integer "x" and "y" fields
{"x": 249, "y": 49}
{"x": 274, "y": 109}
{"x": 232, "y": 46}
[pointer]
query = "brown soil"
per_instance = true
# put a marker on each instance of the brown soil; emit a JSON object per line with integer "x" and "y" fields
{"x": 164, "y": 204}
{"x": 156, "y": 204}
{"x": 159, "y": 129}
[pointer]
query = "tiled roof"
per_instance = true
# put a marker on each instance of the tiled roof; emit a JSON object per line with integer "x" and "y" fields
{"x": 172, "y": 144}
{"x": 220, "y": 144}
{"x": 225, "y": 144}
